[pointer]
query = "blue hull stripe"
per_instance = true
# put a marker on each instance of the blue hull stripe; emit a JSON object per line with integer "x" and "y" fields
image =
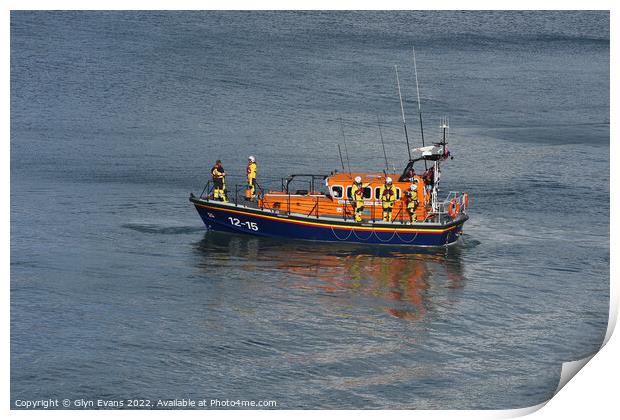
{"x": 255, "y": 222}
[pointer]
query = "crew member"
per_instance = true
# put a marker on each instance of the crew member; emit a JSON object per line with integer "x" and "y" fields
{"x": 412, "y": 201}
{"x": 251, "y": 171}
{"x": 410, "y": 175}
{"x": 357, "y": 195}
{"x": 219, "y": 186}
{"x": 388, "y": 197}
{"x": 429, "y": 176}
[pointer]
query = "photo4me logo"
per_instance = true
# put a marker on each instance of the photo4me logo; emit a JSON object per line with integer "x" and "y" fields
{"x": 175, "y": 403}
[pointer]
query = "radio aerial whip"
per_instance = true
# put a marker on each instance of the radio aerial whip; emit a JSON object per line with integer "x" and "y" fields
{"x": 387, "y": 166}
{"x": 344, "y": 139}
{"x": 417, "y": 88}
{"x": 402, "y": 111}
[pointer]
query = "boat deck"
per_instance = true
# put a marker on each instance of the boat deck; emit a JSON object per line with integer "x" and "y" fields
{"x": 252, "y": 205}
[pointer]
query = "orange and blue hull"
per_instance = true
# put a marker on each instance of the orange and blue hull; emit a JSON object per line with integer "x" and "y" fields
{"x": 238, "y": 219}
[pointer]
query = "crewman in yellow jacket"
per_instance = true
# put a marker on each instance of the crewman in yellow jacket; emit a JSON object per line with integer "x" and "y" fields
{"x": 357, "y": 195}
{"x": 412, "y": 201}
{"x": 388, "y": 197}
{"x": 219, "y": 185}
{"x": 251, "y": 172}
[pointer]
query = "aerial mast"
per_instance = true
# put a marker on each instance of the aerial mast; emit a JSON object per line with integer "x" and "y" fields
{"x": 417, "y": 88}
{"x": 344, "y": 139}
{"x": 341, "y": 161}
{"x": 387, "y": 168}
{"x": 402, "y": 111}
{"x": 443, "y": 125}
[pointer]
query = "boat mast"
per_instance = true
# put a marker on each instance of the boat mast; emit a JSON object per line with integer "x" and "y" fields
{"x": 444, "y": 140}
{"x": 387, "y": 166}
{"x": 346, "y": 152}
{"x": 341, "y": 161}
{"x": 417, "y": 88}
{"x": 402, "y": 111}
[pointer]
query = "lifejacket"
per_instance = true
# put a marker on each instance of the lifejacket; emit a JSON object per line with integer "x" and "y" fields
{"x": 388, "y": 194}
{"x": 429, "y": 176}
{"x": 357, "y": 192}
{"x": 217, "y": 172}
{"x": 412, "y": 199}
{"x": 251, "y": 170}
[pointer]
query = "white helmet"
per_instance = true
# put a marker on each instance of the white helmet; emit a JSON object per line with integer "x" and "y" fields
{"x": 413, "y": 187}
{"x": 388, "y": 180}
{"x": 252, "y": 159}
{"x": 358, "y": 179}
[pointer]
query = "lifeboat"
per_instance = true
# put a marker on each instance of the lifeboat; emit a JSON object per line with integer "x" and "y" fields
{"x": 324, "y": 209}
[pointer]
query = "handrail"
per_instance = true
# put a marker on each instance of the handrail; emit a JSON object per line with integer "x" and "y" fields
{"x": 291, "y": 178}
{"x": 317, "y": 207}
{"x": 313, "y": 207}
{"x": 205, "y": 189}
{"x": 346, "y": 209}
{"x": 397, "y": 214}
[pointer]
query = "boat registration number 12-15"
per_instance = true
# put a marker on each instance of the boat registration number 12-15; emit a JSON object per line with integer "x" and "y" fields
{"x": 236, "y": 222}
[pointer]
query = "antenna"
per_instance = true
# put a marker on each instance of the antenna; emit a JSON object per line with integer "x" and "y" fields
{"x": 417, "y": 88}
{"x": 444, "y": 129}
{"x": 383, "y": 144}
{"x": 402, "y": 110}
{"x": 345, "y": 146}
{"x": 341, "y": 161}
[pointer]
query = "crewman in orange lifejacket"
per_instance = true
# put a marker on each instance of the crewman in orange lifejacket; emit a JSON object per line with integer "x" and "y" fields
{"x": 388, "y": 197}
{"x": 429, "y": 177}
{"x": 357, "y": 195}
{"x": 219, "y": 186}
{"x": 251, "y": 172}
{"x": 412, "y": 201}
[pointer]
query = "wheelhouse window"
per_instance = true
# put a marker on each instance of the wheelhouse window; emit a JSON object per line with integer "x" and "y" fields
{"x": 336, "y": 191}
{"x": 367, "y": 193}
{"x": 378, "y": 193}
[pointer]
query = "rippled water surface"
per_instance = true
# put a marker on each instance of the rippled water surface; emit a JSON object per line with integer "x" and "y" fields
{"x": 118, "y": 292}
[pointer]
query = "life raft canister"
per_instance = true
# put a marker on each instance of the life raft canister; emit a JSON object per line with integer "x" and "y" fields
{"x": 454, "y": 208}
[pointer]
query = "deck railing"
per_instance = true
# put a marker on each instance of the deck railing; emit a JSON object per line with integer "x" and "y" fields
{"x": 442, "y": 214}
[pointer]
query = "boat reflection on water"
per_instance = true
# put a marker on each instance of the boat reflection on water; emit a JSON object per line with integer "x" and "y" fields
{"x": 405, "y": 283}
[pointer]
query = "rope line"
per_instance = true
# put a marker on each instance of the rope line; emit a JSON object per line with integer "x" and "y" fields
{"x": 337, "y": 237}
{"x": 407, "y": 242}
{"x": 363, "y": 239}
{"x": 381, "y": 240}
{"x": 373, "y": 232}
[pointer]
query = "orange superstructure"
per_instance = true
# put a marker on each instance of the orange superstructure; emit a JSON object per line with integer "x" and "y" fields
{"x": 337, "y": 202}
